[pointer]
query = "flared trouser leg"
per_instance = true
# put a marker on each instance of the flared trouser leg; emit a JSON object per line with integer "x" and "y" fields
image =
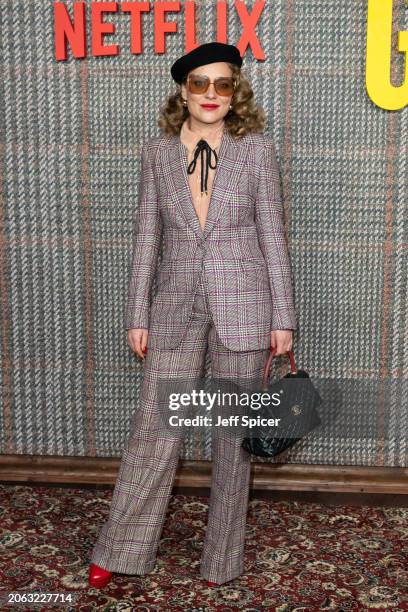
{"x": 129, "y": 539}
{"x": 223, "y": 551}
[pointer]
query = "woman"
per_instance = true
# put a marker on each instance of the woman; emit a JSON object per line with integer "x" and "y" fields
{"x": 210, "y": 193}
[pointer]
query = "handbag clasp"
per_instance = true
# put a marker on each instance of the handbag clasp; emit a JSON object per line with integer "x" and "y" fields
{"x": 296, "y": 409}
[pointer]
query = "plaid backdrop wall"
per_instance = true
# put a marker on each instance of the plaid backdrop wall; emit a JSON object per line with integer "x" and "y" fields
{"x": 71, "y": 140}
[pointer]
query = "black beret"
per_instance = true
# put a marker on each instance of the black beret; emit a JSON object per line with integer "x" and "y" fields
{"x": 202, "y": 55}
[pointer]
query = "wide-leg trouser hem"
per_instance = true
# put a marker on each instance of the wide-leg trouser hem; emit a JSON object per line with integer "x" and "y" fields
{"x": 219, "y": 576}
{"x": 137, "y": 566}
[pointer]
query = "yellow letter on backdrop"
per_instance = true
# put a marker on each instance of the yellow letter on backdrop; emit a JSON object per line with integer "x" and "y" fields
{"x": 378, "y": 57}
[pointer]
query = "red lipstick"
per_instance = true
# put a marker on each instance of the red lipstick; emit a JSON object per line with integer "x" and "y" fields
{"x": 209, "y": 106}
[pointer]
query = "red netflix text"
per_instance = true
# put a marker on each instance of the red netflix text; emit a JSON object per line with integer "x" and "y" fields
{"x": 72, "y": 32}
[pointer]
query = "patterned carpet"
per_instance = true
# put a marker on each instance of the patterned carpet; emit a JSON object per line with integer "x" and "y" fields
{"x": 299, "y": 556}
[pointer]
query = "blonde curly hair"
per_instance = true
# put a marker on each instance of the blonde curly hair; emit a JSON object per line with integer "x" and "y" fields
{"x": 245, "y": 116}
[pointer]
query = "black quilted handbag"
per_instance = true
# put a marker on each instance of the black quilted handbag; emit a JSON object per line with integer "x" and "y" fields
{"x": 296, "y": 411}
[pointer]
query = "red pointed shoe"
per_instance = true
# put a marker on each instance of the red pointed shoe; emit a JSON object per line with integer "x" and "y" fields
{"x": 212, "y": 584}
{"x": 98, "y": 577}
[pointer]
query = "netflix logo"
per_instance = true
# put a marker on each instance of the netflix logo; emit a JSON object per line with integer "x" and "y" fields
{"x": 72, "y": 31}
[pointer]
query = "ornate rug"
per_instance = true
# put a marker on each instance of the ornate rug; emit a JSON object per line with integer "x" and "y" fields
{"x": 299, "y": 556}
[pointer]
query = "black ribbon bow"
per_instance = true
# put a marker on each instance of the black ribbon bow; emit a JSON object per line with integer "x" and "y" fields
{"x": 201, "y": 148}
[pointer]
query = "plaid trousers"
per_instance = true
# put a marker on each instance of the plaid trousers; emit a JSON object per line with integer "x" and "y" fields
{"x": 128, "y": 541}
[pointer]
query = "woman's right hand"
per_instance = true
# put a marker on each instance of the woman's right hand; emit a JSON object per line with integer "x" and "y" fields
{"x": 137, "y": 340}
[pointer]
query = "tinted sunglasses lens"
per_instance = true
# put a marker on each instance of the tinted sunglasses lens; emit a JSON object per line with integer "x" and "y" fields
{"x": 198, "y": 85}
{"x": 224, "y": 86}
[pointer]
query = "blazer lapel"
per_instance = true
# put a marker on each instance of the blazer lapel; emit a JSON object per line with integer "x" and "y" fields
{"x": 231, "y": 162}
{"x": 176, "y": 160}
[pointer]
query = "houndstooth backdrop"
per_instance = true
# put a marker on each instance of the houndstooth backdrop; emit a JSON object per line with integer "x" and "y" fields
{"x": 71, "y": 140}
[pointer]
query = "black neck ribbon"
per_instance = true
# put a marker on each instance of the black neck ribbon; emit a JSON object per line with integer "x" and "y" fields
{"x": 203, "y": 148}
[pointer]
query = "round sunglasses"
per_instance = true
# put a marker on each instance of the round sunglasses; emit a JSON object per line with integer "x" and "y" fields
{"x": 224, "y": 86}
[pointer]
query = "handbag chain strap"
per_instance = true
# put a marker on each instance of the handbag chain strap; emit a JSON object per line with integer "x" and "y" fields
{"x": 293, "y": 368}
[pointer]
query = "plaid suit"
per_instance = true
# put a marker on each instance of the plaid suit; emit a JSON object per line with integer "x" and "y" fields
{"x": 220, "y": 290}
{"x": 242, "y": 248}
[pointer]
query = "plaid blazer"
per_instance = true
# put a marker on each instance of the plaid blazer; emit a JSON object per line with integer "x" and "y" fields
{"x": 242, "y": 249}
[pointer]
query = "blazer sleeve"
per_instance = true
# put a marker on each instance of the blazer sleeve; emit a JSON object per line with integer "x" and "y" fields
{"x": 271, "y": 236}
{"x": 146, "y": 243}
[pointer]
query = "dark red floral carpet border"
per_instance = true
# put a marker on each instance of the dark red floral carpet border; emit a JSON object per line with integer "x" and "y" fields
{"x": 299, "y": 556}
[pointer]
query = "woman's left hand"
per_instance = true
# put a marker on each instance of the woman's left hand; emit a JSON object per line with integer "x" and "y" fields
{"x": 281, "y": 340}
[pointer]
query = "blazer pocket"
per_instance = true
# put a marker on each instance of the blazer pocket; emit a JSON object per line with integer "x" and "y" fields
{"x": 253, "y": 264}
{"x": 256, "y": 270}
